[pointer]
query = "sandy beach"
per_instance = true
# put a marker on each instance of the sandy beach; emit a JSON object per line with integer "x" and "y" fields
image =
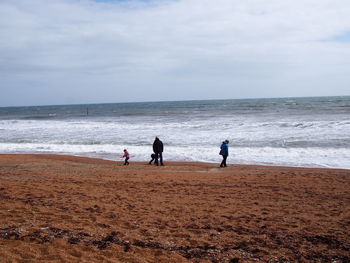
{"x": 71, "y": 209}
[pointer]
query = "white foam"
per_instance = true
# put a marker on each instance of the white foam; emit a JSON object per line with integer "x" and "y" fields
{"x": 288, "y": 141}
{"x": 306, "y": 157}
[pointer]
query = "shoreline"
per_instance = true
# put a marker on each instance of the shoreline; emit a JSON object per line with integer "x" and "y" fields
{"x": 78, "y": 209}
{"x": 171, "y": 162}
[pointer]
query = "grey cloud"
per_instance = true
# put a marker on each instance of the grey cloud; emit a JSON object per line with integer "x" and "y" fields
{"x": 79, "y": 51}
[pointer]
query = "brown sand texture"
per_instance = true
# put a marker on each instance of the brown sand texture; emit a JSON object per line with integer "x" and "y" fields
{"x": 71, "y": 209}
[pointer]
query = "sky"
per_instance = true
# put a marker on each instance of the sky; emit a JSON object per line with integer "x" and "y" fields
{"x": 85, "y": 51}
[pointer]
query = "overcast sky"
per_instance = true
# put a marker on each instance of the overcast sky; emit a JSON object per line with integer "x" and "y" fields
{"x": 85, "y": 51}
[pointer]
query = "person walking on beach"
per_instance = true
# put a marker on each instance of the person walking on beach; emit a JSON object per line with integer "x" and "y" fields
{"x": 127, "y": 156}
{"x": 224, "y": 153}
{"x": 158, "y": 151}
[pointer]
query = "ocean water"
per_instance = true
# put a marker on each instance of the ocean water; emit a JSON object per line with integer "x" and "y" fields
{"x": 309, "y": 132}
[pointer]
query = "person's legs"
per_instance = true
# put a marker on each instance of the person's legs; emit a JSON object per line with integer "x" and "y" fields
{"x": 126, "y": 161}
{"x": 223, "y": 163}
{"x": 156, "y": 159}
{"x": 224, "y": 160}
{"x": 161, "y": 158}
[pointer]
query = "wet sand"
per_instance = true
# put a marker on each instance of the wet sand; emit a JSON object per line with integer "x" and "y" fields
{"x": 72, "y": 209}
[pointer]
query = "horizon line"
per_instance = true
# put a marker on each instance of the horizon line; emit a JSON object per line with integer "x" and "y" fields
{"x": 164, "y": 101}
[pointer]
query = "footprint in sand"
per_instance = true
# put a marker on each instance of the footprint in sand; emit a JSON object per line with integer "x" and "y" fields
{"x": 213, "y": 170}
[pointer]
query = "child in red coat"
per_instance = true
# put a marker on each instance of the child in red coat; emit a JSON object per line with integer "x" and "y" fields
{"x": 127, "y": 156}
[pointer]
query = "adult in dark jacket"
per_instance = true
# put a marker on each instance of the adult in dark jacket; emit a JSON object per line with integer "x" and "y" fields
{"x": 158, "y": 150}
{"x": 224, "y": 153}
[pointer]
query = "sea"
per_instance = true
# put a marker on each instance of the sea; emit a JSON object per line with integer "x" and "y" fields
{"x": 302, "y": 132}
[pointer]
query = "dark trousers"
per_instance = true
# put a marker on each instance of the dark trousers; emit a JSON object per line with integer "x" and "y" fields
{"x": 126, "y": 161}
{"x": 223, "y": 163}
{"x": 160, "y": 156}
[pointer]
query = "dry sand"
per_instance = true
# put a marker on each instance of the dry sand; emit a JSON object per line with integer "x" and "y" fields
{"x": 72, "y": 209}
